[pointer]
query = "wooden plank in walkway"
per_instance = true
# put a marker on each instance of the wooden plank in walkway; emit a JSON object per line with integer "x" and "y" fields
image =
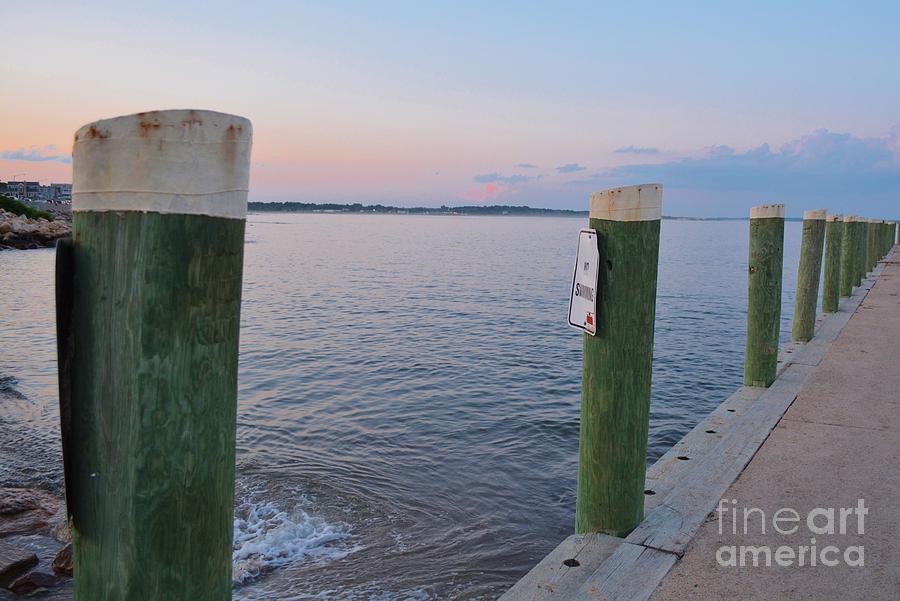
{"x": 685, "y": 485}
{"x": 838, "y": 442}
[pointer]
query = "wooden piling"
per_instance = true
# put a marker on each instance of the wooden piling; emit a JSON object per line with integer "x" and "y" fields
{"x": 615, "y": 394}
{"x": 808, "y": 274}
{"x": 871, "y": 245}
{"x": 859, "y": 259}
{"x": 831, "y": 284}
{"x": 863, "y": 248}
{"x": 159, "y": 205}
{"x": 848, "y": 256}
{"x": 764, "y": 294}
{"x": 863, "y": 225}
{"x": 879, "y": 239}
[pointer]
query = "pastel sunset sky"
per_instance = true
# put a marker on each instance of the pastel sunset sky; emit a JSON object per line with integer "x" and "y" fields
{"x": 726, "y": 104}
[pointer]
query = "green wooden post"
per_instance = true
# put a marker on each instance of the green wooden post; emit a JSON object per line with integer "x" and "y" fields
{"x": 615, "y": 389}
{"x": 764, "y": 294}
{"x": 860, "y": 257}
{"x": 871, "y": 245}
{"x": 848, "y": 256}
{"x": 834, "y": 237}
{"x": 879, "y": 239}
{"x": 863, "y": 240}
{"x": 159, "y": 205}
{"x": 808, "y": 273}
{"x": 865, "y": 248}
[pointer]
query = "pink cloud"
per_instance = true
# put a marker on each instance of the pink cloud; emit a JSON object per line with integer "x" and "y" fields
{"x": 486, "y": 192}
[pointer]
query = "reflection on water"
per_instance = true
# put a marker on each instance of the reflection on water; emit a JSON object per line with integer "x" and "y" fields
{"x": 409, "y": 391}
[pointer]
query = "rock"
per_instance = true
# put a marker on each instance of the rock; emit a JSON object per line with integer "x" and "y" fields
{"x": 14, "y": 561}
{"x": 60, "y": 528}
{"x": 17, "y": 500}
{"x": 33, "y": 581}
{"x": 24, "y": 228}
{"x": 21, "y": 233}
{"x": 26, "y": 511}
{"x": 8, "y": 387}
{"x": 62, "y": 563}
{"x": 24, "y": 523}
{"x": 45, "y": 547}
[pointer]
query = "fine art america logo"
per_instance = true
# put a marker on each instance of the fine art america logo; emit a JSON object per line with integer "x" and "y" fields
{"x": 823, "y": 522}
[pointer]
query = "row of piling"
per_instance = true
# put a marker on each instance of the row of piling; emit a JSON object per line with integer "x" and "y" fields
{"x": 854, "y": 246}
{"x": 148, "y": 313}
{"x": 618, "y": 359}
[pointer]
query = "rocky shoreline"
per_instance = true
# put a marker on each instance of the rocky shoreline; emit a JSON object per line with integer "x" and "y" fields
{"x": 35, "y": 538}
{"x": 23, "y": 233}
{"x": 35, "y": 541}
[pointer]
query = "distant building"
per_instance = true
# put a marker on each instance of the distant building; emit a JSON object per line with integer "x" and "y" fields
{"x": 24, "y": 190}
{"x": 65, "y": 191}
{"x": 57, "y": 192}
{"x": 34, "y": 191}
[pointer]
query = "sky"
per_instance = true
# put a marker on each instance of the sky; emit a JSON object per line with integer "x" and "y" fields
{"x": 728, "y": 105}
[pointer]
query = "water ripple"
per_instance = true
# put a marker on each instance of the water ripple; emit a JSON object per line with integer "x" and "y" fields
{"x": 409, "y": 392}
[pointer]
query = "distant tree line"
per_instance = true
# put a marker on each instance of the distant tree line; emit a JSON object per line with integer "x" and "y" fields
{"x": 326, "y": 207}
{"x": 313, "y": 207}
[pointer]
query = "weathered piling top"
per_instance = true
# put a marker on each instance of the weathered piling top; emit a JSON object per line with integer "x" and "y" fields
{"x": 767, "y": 212}
{"x": 631, "y": 203}
{"x": 815, "y": 214}
{"x": 182, "y": 161}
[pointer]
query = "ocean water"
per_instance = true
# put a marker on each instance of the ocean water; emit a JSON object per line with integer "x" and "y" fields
{"x": 409, "y": 392}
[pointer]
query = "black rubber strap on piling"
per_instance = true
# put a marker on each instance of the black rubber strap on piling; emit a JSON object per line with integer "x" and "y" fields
{"x": 65, "y": 285}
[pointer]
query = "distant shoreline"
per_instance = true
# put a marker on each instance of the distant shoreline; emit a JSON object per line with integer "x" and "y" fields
{"x": 465, "y": 210}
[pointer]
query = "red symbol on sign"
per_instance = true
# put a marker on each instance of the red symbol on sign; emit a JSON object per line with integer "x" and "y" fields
{"x": 589, "y": 319}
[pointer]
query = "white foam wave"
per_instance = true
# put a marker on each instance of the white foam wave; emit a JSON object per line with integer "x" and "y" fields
{"x": 267, "y": 537}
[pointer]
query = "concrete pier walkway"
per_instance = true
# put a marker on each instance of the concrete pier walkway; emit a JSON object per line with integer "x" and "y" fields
{"x": 787, "y": 492}
{"x": 838, "y": 442}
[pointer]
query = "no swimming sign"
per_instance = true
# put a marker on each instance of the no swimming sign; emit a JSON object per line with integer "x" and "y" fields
{"x": 583, "y": 300}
